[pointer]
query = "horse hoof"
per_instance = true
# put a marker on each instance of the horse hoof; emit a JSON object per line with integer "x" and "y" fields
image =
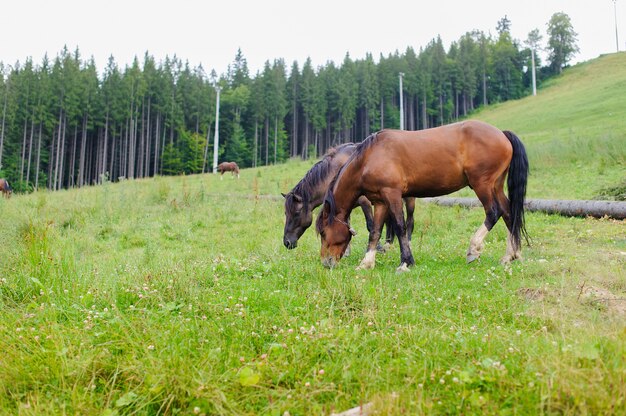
{"x": 383, "y": 248}
{"x": 471, "y": 257}
{"x": 402, "y": 268}
{"x": 365, "y": 266}
{"x": 508, "y": 258}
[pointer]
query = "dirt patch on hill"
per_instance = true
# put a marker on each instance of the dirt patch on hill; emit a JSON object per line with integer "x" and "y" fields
{"x": 602, "y": 297}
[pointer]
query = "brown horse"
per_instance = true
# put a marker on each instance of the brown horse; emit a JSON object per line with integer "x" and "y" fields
{"x": 393, "y": 164}
{"x": 228, "y": 167}
{"x": 309, "y": 193}
{"x": 5, "y": 188}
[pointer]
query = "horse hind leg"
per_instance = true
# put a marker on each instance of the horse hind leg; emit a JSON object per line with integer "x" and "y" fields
{"x": 513, "y": 249}
{"x": 492, "y": 214}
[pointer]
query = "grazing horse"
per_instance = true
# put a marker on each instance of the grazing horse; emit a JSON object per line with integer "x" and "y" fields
{"x": 392, "y": 164}
{"x": 5, "y": 188}
{"x": 309, "y": 193}
{"x": 228, "y": 167}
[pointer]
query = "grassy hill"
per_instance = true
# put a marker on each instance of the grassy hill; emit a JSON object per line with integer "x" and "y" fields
{"x": 574, "y": 129}
{"x": 174, "y": 295}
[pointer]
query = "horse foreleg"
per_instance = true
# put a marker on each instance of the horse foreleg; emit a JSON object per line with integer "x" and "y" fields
{"x": 369, "y": 261}
{"x": 397, "y": 214}
{"x": 410, "y": 221}
{"x": 366, "y": 207}
{"x": 389, "y": 234}
{"x": 476, "y": 243}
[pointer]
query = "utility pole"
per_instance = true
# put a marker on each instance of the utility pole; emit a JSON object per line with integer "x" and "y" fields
{"x": 217, "y": 128}
{"x": 532, "y": 57}
{"x": 616, "y": 37}
{"x": 400, "y": 75}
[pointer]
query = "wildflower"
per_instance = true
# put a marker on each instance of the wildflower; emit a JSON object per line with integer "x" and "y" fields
{"x": 151, "y": 347}
{"x": 321, "y": 372}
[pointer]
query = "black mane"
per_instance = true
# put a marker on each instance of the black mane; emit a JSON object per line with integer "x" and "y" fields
{"x": 316, "y": 175}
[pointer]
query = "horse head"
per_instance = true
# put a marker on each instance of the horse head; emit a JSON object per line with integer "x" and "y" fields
{"x": 298, "y": 217}
{"x": 334, "y": 233}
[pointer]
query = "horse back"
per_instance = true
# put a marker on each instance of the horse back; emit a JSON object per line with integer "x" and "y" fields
{"x": 435, "y": 161}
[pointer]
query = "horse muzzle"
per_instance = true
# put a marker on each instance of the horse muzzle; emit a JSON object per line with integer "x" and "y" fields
{"x": 290, "y": 244}
{"x": 329, "y": 262}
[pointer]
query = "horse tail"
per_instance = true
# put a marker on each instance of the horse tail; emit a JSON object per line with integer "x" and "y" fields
{"x": 516, "y": 182}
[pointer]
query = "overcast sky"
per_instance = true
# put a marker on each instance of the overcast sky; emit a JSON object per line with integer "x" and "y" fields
{"x": 210, "y": 32}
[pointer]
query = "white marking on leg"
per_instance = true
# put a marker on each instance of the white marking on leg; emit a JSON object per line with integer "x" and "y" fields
{"x": 512, "y": 251}
{"x": 348, "y": 250}
{"x": 476, "y": 243}
{"x": 402, "y": 268}
{"x": 369, "y": 261}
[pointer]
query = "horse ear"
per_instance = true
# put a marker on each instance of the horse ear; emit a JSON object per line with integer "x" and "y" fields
{"x": 297, "y": 197}
{"x": 352, "y": 231}
{"x": 284, "y": 195}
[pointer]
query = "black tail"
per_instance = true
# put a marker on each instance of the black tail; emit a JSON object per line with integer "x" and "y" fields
{"x": 516, "y": 181}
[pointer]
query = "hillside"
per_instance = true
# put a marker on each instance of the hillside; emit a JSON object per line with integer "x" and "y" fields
{"x": 574, "y": 129}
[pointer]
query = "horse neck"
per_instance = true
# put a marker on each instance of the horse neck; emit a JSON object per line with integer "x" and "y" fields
{"x": 313, "y": 186}
{"x": 345, "y": 191}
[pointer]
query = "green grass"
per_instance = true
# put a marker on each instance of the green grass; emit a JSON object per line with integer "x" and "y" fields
{"x": 176, "y": 296}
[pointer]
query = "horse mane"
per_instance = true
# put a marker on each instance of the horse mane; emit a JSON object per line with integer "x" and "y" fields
{"x": 329, "y": 198}
{"x": 314, "y": 177}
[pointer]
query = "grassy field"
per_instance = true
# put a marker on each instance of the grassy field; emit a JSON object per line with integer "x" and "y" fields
{"x": 175, "y": 295}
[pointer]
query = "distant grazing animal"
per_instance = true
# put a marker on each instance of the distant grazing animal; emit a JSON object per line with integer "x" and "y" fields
{"x": 5, "y": 188}
{"x": 309, "y": 193}
{"x": 228, "y": 167}
{"x": 393, "y": 164}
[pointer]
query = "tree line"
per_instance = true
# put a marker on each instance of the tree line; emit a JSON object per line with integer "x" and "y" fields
{"x": 62, "y": 125}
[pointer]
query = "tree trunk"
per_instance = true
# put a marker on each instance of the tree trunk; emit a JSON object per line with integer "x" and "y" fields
{"x": 58, "y": 149}
{"x": 267, "y": 138}
{"x": 256, "y": 142}
{"x": 275, "y": 137}
{"x": 4, "y": 116}
{"x": 38, "y": 157}
{"x": 156, "y": 144}
{"x": 106, "y": 145}
{"x": 62, "y": 161}
{"x": 572, "y": 208}
{"x": 23, "y": 150}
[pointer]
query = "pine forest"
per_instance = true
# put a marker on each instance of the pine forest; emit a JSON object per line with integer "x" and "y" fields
{"x": 63, "y": 124}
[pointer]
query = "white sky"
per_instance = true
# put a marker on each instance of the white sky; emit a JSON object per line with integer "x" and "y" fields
{"x": 210, "y": 32}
